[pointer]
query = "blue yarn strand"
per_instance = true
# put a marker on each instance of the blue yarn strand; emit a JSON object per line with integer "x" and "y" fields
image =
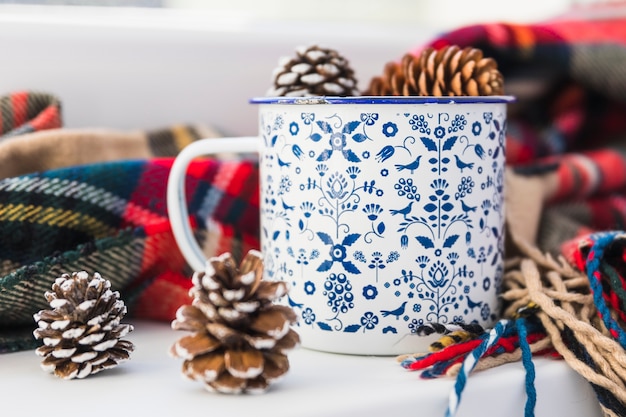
{"x": 527, "y": 360}
{"x": 470, "y": 362}
{"x": 602, "y": 240}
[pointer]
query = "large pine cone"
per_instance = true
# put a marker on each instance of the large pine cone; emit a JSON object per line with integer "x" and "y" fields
{"x": 241, "y": 337}
{"x": 81, "y": 334}
{"x": 450, "y": 71}
{"x": 314, "y": 71}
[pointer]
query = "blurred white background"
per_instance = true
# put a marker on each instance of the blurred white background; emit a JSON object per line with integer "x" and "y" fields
{"x": 151, "y": 63}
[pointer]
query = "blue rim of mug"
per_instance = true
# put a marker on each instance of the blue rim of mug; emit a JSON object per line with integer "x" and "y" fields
{"x": 382, "y": 100}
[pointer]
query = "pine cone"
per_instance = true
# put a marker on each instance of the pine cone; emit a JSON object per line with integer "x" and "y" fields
{"x": 81, "y": 333}
{"x": 314, "y": 71}
{"x": 450, "y": 71}
{"x": 240, "y": 336}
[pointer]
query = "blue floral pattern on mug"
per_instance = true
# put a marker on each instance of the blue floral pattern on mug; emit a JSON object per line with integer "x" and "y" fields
{"x": 384, "y": 220}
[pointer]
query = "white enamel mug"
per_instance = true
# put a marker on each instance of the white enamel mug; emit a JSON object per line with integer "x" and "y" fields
{"x": 382, "y": 213}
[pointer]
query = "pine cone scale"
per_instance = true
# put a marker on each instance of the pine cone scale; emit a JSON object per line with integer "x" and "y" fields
{"x": 205, "y": 368}
{"x": 190, "y": 346}
{"x": 246, "y": 364}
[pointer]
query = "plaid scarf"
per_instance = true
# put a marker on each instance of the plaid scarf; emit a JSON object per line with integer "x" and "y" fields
{"x": 94, "y": 200}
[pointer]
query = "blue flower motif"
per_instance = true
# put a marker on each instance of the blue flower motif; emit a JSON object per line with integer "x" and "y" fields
{"x": 452, "y": 257}
{"x": 321, "y": 169}
{"x": 307, "y": 118}
{"x": 337, "y": 186}
{"x": 307, "y": 208}
{"x": 485, "y": 311}
{"x": 370, "y": 292}
{"x": 438, "y": 273}
{"x": 297, "y": 151}
{"x": 369, "y": 320}
{"x": 309, "y": 288}
{"x": 369, "y": 118}
{"x": 353, "y": 171}
{"x": 308, "y": 316}
{"x": 417, "y": 308}
{"x": 294, "y": 128}
{"x": 372, "y": 210}
{"x": 439, "y": 132}
{"x": 390, "y": 129}
{"x": 385, "y": 153}
{"x": 422, "y": 261}
{"x": 476, "y": 128}
{"x": 487, "y": 117}
{"x": 338, "y": 252}
{"x": 338, "y": 140}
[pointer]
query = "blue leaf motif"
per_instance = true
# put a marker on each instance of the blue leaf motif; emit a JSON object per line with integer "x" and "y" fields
{"x": 324, "y": 326}
{"x": 496, "y": 123}
{"x": 274, "y": 139}
{"x": 326, "y": 128}
{"x": 275, "y": 235}
{"x": 429, "y": 143}
{"x": 380, "y": 228}
{"x": 359, "y": 137}
{"x": 430, "y": 207}
{"x": 350, "y": 126}
{"x": 447, "y": 206}
{"x": 301, "y": 224}
{"x": 496, "y": 153}
{"x": 349, "y": 267}
{"x": 450, "y": 240}
{"x": 425, "y": 241}
{"x": 352, "y": 328}
{"x": 449, "y": 143}
{"x": 348, "y": 240}
{"x": 325, "y": 155}
{"x": 325, "y": 237}
{"x": 351, "y": 156}
{"x": 325, "y": 266}
{"x": 316, "y": 137}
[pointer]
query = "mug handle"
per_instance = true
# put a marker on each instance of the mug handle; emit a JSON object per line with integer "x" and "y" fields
{"x": 176, "y": 199}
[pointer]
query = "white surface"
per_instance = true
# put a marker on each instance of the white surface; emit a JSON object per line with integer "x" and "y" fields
{"x": 318, "y": 384}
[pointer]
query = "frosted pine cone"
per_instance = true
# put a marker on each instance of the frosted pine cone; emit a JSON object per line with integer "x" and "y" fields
{"x": 314, "y": 71}
{"x": 81, "y": 334}
{"x": 450, "y": 71}
{"x": 240, "y": 337}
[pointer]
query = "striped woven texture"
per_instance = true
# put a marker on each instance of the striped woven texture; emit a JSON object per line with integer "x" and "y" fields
{"x": 566, "y": 146}
{"x": 111, "y": 217}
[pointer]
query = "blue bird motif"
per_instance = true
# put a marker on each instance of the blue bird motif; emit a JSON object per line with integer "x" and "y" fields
{"x": 462, "y": 165}
{"x": 404, "y": 211}
{"x": 397, "y": 312}
{"x": 411, "y": 166}
{"x": 472, "y": 304}
{"x": 467, "y": 208}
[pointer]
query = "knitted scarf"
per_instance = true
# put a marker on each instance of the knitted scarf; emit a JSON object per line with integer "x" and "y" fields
{"x": 565, "y": 275}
